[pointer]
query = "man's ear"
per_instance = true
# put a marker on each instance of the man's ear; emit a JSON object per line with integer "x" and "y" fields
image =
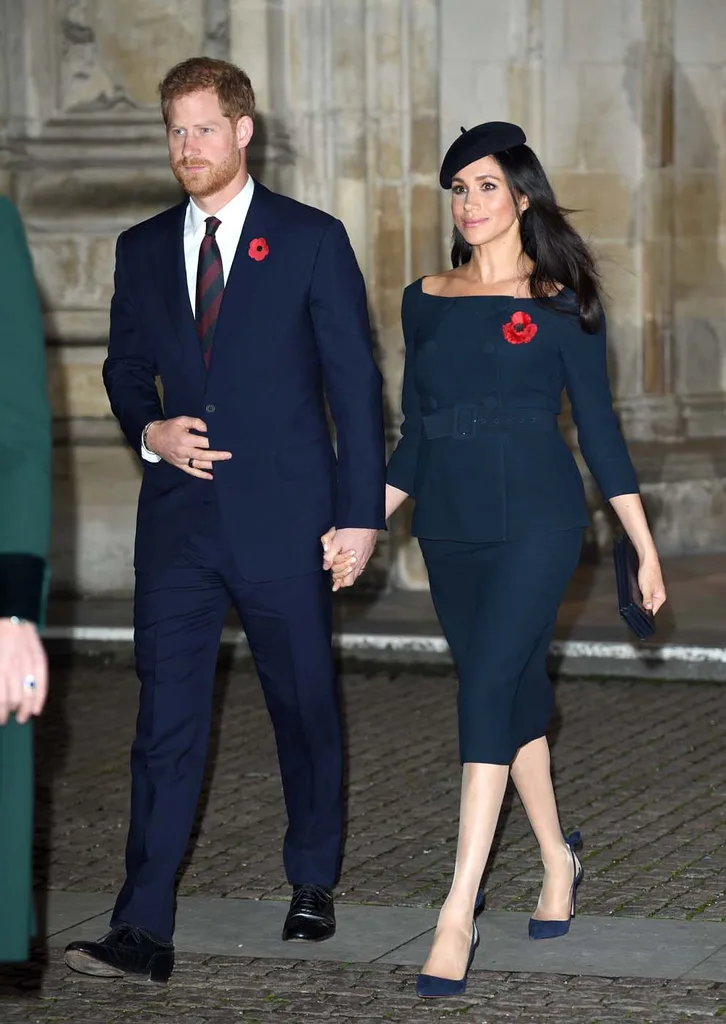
{"x": 244, "y": 131}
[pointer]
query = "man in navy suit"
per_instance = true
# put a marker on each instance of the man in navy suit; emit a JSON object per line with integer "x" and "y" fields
{"x": 248, "y": 309}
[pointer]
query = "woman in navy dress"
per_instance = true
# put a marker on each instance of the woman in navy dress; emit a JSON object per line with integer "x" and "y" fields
{"x": 500, "y": 507}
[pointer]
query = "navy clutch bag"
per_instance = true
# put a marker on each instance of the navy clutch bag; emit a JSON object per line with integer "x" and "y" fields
{"x": 630, "y": 599}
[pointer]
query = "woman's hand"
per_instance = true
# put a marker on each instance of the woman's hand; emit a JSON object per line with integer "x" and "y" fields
{"x": 23, "y": 671}
{"x": 342, "y": 565}
{"x": 650, "y": 580}
{"x": 630, "y": 512}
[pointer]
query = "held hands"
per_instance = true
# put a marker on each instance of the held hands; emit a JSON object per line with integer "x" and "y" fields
{"x": 23, "y": 671}
{"x": 346, "y": 553}
{"x": 174, "y": 441}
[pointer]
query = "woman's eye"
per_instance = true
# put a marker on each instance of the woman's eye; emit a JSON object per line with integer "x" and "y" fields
{"x": 488, "y": 186}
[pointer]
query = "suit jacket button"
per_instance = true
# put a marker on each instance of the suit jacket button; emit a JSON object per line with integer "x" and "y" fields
{"x": 211, "y": 408}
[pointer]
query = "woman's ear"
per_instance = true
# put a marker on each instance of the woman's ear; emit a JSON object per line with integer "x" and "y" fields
{"x": 523, "y": 203}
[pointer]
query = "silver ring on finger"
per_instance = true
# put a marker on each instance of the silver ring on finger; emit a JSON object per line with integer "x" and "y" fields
{"x": 191, "y": 463}
{"x": 30, "y": 683}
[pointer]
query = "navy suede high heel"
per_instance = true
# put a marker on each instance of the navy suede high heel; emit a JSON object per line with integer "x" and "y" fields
{"x": 554, "y": 929}
{"x": 428, "y": 986}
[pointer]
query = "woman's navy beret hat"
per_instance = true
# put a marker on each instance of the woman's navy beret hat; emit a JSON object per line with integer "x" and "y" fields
{"x": 483, "y": 140}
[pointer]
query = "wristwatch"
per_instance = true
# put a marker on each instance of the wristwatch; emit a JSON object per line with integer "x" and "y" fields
{"x": 144, "y": 434}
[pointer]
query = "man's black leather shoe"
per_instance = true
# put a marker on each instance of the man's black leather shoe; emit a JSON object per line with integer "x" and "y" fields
{"x": 311, "y": 917}
{"x": 125, "y": 950}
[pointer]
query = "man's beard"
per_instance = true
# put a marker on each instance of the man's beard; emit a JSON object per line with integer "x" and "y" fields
{"x": 213, "y": 179}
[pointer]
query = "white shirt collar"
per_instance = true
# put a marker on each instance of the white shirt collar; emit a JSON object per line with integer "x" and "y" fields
{"x": 232, "y": 213}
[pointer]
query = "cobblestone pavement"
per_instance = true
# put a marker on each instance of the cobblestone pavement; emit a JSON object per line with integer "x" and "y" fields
{"x": 639, "y": 767}
{"x": 218, "y": 990}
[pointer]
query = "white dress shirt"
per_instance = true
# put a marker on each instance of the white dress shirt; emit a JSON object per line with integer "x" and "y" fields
{"x": 232, "y": 217}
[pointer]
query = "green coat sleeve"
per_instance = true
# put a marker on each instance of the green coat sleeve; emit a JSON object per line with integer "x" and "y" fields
{"x": 25, "y": 427}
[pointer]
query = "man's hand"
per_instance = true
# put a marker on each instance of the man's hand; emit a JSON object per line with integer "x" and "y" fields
{"x": 23, "y": 671}
{"x": 174, "y": 441}
{"x": 354, "y": 547}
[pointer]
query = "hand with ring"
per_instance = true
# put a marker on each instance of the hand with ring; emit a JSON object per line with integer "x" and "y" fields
{"x": 23, "y": 670}
{"x": 182, "y": 443}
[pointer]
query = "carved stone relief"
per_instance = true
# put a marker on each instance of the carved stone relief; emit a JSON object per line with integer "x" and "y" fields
{"x": 113, "y": 54}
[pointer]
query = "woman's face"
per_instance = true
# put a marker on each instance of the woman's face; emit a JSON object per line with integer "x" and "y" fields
{"x": 481, "y": 203}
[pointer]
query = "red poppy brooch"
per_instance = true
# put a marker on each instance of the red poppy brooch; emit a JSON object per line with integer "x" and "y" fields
{"x": 258, "y": 250}
{"x": 520, "y": 329}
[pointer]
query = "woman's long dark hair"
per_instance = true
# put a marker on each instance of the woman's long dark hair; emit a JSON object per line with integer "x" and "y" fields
{"x": 560, "y": 256}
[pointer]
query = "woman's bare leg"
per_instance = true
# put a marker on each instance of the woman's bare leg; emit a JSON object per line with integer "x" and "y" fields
{"x": 482, "y": 792}
{"x": 532, "y": 775}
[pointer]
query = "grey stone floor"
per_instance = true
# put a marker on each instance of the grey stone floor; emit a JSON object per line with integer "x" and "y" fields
{"x": 222, "y": 990}
{"x": 639, "y": 767}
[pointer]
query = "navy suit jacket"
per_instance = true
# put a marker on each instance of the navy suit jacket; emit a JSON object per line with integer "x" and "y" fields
{"x": 480, "y": 449}
{"x": 293, "y": 329}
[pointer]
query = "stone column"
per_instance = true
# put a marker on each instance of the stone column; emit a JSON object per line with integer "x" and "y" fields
{"x": 606, "y": 146}
{"x": 82, "y": 151}
{"x": 404, "y": 198}
{"x": 699, "y": 212}
{"x": 348, "y": 89}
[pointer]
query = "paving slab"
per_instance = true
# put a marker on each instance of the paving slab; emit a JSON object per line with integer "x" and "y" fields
{"x": 251, "y": 928}
{"x": 713, "y": 968}
{"x": 62, "y": 910}
{"x": 600, "y": 946}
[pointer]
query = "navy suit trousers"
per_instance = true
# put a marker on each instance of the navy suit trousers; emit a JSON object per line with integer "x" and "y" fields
{"x": 178, "y": 619}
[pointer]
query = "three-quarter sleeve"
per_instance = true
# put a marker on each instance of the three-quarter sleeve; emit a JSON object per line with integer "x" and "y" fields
{"x": 401, "y": 470}
{"x": 599, "y": 437}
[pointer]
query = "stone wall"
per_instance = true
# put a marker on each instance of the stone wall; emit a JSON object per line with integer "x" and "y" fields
{"x": 348, "y": 103}
{"x": 357, "y": 99}
{"x": 624, "y": 104}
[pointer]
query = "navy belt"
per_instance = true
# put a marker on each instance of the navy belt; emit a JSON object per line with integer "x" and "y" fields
{"x": 466, "y": 421}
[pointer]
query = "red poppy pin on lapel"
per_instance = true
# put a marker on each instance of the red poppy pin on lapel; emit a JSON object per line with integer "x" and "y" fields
{"x": 520, "y": 330}
{"x": 258, "y": 250}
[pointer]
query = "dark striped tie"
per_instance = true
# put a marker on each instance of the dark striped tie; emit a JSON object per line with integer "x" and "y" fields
{"x": 210, "y": 288}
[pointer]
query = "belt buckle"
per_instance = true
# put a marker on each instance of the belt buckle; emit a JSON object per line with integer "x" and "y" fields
{"x": 464, "y": 422}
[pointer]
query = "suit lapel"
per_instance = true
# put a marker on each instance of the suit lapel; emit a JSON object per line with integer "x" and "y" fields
{"x": 176, "y": 291}
{"x": 250, "y": 282}
{"x": 249, "y": 278}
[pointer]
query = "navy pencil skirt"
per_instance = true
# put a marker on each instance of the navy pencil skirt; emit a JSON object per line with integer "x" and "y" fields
{"x": 497, "y": 604}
